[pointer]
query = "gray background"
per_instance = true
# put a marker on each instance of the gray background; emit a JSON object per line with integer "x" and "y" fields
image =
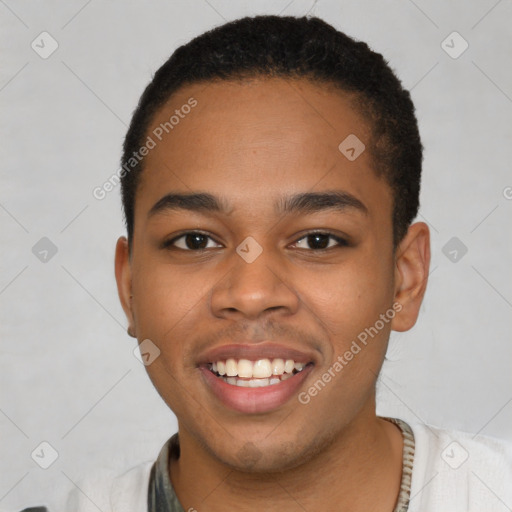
{"x": 68, "y": 375}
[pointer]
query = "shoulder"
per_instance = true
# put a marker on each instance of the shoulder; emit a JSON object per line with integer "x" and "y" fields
{"x": 455, "y": 470}
{"x": 109, "y": 491}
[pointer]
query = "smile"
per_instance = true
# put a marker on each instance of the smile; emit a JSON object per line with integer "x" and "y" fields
{"x": 255, "y": 374}
{"x": 254, "y": 387}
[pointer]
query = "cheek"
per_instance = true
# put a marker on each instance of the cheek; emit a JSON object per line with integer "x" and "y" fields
{"x": 167, "y": 304}
{"x": 350, "y": 296}
{"x": 166, "y": 297}
{"x": 168, "y": 307}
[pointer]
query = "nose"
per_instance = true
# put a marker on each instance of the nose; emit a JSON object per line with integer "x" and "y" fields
{"x": 249, "y": 290}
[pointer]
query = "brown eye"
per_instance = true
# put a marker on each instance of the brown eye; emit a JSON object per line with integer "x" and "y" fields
{"x": 320, "y": 241}
{"x": 193, "y": 241}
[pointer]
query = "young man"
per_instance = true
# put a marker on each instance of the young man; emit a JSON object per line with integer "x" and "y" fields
{"x": 270, "y": 176}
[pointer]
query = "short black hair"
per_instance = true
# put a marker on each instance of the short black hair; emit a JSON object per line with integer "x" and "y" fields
{"x": 291, "y": 47}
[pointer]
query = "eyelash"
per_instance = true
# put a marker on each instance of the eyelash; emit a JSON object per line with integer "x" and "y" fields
{"x": 341, "y": 242}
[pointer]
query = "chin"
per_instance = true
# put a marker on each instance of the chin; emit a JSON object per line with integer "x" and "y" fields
{"x": 271, "y": 457}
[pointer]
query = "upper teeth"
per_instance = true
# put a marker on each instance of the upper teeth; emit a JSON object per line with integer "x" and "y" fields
{"x": 260, "y": 369}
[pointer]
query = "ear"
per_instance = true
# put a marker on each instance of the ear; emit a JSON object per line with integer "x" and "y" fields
{"x": 412, "y": 262}
{"x": 124, "y": 281}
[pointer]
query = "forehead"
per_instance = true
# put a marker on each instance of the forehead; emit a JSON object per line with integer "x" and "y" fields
{"x": 247, "y": 139}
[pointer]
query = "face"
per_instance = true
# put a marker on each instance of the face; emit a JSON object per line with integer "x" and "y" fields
{"x": 262, "y": 258}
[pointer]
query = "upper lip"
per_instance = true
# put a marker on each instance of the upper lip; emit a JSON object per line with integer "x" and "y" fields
{"x": 253, "y": 352}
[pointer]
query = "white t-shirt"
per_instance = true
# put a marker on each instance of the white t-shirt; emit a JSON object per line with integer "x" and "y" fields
{"x": 452, "y": 471}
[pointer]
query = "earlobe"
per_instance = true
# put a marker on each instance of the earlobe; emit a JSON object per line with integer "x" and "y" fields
{"x": 412, "y": 264}
{"x": 124, "y": 281}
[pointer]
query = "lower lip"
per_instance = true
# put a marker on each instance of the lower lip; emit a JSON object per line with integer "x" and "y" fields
{"x": 254, "y": 400}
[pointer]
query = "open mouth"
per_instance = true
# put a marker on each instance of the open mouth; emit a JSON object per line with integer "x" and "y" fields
{"x": 256, "y": 374}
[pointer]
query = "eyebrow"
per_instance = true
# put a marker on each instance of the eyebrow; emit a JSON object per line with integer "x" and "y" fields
{"x": 311, "y": 202}
{"x": 307, "y": 202}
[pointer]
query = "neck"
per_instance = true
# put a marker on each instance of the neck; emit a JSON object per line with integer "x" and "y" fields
{"x": 360, "y": 470}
